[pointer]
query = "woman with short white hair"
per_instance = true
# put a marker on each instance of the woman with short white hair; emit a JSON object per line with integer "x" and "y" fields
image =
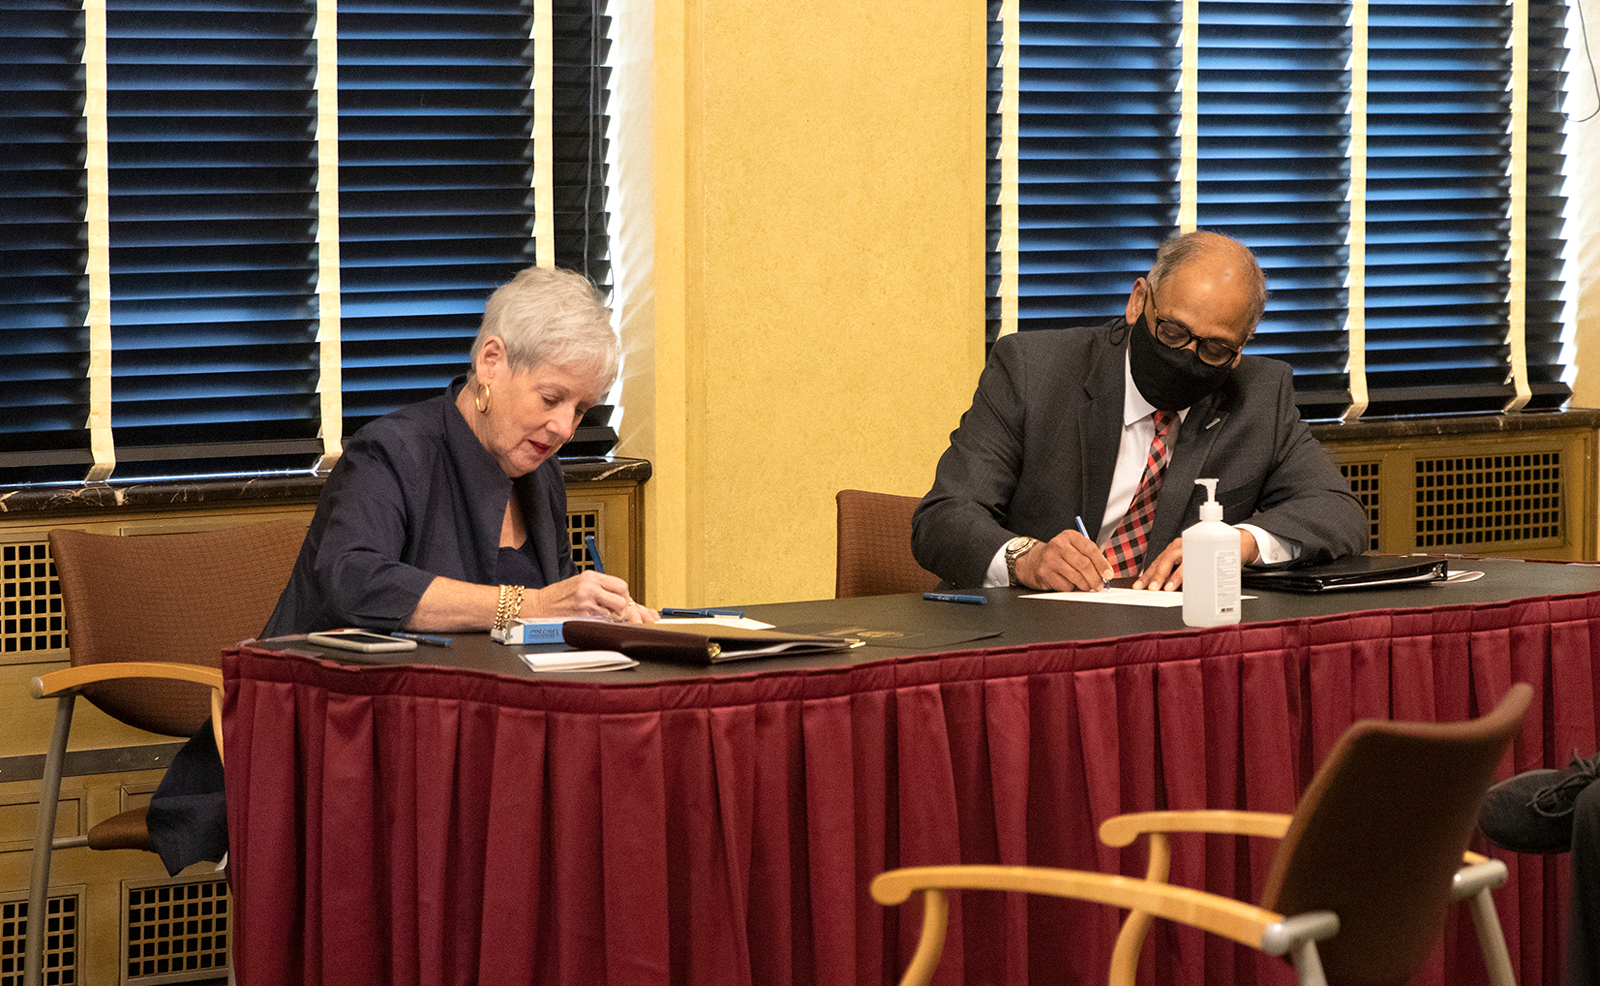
{"x": 451, "y": 514}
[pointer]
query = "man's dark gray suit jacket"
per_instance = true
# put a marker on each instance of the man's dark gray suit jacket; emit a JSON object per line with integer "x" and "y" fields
{"x": 1039, "y": 444}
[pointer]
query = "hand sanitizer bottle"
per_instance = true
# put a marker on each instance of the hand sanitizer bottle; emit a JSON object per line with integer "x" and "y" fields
{"x": 1210, "y": 566}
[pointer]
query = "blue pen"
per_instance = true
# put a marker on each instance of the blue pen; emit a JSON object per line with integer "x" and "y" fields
{"x": 951, "y": 597}
{"x": 594, "y": 553}
{"x": 422, "y": 638}
{"x": 1104, "y": 582}
{"x": 668, "y": 612}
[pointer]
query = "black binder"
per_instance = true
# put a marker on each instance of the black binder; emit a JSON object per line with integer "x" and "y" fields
{"x": 1354, "y": 572}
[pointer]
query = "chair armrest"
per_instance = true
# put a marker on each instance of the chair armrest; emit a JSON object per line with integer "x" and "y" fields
{"x": 1478, "y": 877}
{"x": 1121, "y": 830}
{"x": 70, "y": 681}
{"x": 1244, "y": 923}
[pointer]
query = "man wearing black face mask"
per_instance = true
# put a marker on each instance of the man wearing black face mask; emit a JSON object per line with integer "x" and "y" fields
{"x": 1113, "y": 424}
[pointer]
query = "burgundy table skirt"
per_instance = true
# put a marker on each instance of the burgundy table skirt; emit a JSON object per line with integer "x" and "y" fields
{"x": 425, "y": 825}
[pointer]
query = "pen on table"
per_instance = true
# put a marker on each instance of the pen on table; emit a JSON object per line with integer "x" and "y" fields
{"x": 422, "y": 638}
{"x": 951, "y": 597}
{"x": 1105, "y": 583}
{"x": 594, "y": 553}
{"x": 678, "y": 612}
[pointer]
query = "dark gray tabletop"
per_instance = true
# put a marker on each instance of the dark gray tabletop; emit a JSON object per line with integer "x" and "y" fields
{"x": 902, "y": 625}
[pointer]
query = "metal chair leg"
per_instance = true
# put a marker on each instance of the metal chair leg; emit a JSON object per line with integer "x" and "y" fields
{"x": 1492, "y": 939}
{"x": 44, "y": 844}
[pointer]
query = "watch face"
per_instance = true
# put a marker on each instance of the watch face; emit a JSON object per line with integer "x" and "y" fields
{"x": 1015, "y": 549}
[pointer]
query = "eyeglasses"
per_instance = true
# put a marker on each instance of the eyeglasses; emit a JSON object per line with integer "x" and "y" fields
{"x": 1176, "y": 335}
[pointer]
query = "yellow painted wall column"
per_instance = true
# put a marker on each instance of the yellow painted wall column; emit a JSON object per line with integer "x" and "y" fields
{"x": 1583, "y": 216}
{"x": 805, "y": 313}
{"x": 1582, "y": 188}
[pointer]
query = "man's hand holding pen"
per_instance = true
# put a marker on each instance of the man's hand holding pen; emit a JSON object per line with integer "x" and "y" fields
{"x": 1069, "y": 561}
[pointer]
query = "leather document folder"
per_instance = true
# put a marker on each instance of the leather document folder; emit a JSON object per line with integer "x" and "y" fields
{"x": 1354, "y": 572}
{"x": 695, "y": 643}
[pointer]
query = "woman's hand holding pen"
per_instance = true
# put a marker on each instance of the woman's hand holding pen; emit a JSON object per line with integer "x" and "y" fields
{"x": 586, "y": 594}
{"x": 1069, "y": 561}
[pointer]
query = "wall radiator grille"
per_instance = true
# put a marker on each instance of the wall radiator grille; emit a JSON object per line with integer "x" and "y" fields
{"x": 176, "y": 932}
{"x": 1515, "y": 502}
{"x": 60, "y": 943}
{"x": 579, "y": 524}
{"x": 1365, "y": 482}
{"x": 1484, "y": 501}
{"x": 30, "y": 599}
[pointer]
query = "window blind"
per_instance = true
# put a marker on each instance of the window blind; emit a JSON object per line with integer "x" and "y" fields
{"x": 44, "y": 296}
{"x": 1545, "y": 240}
{"x": 213, "y": 193}
{"x": 581, "y": 89}
{"x": 1366, "y": 151}
{"x": 1096, "y": 156}
{"x": 1273, "y": 172}
{"x": 435, "y": 187}
{"x": 210, "y": 195}
{"x": 436, "y": 179}
{"x": 1438, "y": 210}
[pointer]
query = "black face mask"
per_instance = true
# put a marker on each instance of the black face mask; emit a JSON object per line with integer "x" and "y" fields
{"x": 1170, "y": 379}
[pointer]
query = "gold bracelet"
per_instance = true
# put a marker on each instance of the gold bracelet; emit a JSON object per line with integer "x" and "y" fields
{"x": 502, "y": 609}
{"x": 509, "y": 605}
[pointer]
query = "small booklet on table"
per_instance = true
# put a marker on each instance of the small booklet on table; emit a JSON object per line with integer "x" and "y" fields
{"x": 536, "y": 630}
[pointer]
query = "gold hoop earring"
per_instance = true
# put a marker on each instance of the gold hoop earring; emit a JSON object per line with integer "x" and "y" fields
{"x": 480, "y": 400}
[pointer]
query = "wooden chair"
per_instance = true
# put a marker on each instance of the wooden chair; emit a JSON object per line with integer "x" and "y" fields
{"x": 147, "y": 619}
{"x": 1368, "y": 865}
{"x": 874, "y": 546}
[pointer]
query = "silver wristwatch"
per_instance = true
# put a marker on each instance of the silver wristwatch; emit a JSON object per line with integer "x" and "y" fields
{"x": 1016, "y": 548}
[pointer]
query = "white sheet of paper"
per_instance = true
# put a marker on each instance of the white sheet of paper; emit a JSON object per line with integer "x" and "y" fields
{"x": 741, "y": 622}
{"x": 1121, "y": 597}
{"x": 579, "y": 660}
{"x": 1117, "y": 597}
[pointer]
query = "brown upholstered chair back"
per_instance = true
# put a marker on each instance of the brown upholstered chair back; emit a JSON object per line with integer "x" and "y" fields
{"x": 874, "y": 546}
{"x": 169, "y": 597}
{"x": 1379, "y": 834}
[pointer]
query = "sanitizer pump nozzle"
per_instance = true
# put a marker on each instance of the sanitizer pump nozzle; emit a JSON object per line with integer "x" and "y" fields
{"x": 1211, "y": 509}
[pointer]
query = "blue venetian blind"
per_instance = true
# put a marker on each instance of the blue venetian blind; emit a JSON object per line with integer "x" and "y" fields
{"x": 213, "y": 198}
{"x": 436, "y": 180}
{"x": 44, "y": 396}
{"x": 1098, "y": 153}
{"x": 1097, "y": 158}
{"x": 212, "y": 207}
{"x": 582, "y": 90}
{"x": 436, "y": 187}
{"x": 1273, "y": 173}
{"x": 1438, "y": 207}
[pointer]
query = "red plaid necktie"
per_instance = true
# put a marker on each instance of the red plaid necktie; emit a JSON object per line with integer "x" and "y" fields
{"x": 1126, "y": 548}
